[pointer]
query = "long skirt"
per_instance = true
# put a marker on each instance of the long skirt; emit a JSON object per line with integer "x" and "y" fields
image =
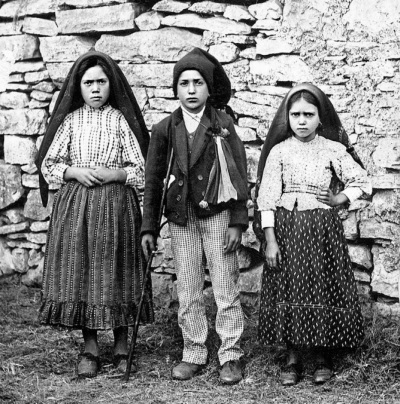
{"x": 94, "y": 267}
{"x": 311, "y": 300}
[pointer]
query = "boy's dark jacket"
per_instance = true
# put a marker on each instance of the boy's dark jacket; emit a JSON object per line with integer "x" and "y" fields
{"x": 190, "y": 173}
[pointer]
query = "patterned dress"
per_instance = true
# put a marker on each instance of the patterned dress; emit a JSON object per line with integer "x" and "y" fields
{"x": 311, "y": 299}
{"x": 94, "y": 269}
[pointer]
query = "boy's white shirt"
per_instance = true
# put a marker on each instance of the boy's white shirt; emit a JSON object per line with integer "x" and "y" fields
{"x": 191, "y": 120}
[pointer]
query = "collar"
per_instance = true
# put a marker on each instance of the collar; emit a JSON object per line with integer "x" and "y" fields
{"x": 315, "y": 140}
{"x": 100, "y": 109}
{"x": 197, "y": 116}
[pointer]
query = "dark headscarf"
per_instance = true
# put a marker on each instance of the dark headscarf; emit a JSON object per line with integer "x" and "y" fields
{"x": 218, "y": 83}
{"x": 70, "y": 99}
{"x": 331, "y": 128}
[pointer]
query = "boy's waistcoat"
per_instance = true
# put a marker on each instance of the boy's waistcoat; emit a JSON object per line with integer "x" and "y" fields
{"x": 190, "y": 171}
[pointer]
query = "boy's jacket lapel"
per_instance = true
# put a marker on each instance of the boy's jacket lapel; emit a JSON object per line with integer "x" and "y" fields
{"x": 179, "y": 140}
{"x": 201, "y": 139}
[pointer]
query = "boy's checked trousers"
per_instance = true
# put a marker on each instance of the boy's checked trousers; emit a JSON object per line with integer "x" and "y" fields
{"x": 188, "y": 243}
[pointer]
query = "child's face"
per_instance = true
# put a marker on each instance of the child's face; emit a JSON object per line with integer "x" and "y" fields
{"x": 304, "y": 120}
{"x": 95, "y": 87}
{"x": 192, "y": 91}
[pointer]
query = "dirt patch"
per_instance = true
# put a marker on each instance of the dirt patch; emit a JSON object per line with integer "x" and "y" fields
{"x": 37, "y": 365}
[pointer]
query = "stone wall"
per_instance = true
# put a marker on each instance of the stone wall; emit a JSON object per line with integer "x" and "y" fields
{"x": 350, "y": 48}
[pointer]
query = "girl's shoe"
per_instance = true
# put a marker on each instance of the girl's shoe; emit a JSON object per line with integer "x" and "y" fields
{"x": 120, "y": 361}
{"x": 291, "y": 374}
{"x": 322, "y": 373}
{"x": 88, "y": 366}
{"x": 323, "y": 369}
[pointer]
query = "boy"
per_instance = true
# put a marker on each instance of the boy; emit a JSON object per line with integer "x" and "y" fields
{"x": 209, "y": 166}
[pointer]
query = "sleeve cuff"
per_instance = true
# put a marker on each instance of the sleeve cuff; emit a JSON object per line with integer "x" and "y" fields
{"x": 134, "y": 177}
{"x": 56, "y": 175}
{"x": 267, "y": 218}
{"x": 352, "y": 193}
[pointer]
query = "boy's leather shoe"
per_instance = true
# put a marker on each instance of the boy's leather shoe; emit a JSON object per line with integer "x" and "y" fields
{"x": 231, "y": 372}
{"x": 322, "y": 374}
{"x": 186, "y": 370}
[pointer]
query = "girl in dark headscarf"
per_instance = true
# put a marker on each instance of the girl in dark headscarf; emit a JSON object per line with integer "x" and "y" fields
{"x": 309, "y": 298}
{"x": 94, "y": 148}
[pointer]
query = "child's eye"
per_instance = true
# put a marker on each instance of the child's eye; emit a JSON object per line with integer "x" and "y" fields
{"x": 295, "y": 114}
{"x": 309, "y": 114}
{"x": 183, "y": 83}
{"x": 199, "y": 83}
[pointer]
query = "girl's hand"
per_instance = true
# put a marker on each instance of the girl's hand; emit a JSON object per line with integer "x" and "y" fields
{"x": 108, "y": 175}
{"x": 326, "y": 196}
{"x": 273, "y": 254}
{"x": 233, "y": 238}
{"x": 86, "y": 176}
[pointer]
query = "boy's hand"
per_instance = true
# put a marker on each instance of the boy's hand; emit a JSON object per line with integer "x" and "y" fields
{"x": 148, "y": 245}
{"x": 86, "y": 176}
{"x": 233, "y": 238}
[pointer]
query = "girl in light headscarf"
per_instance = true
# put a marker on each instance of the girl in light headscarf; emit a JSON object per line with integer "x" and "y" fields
{"x": 309, "y": 297}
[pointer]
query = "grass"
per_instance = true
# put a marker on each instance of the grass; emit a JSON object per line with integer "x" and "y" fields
{"x": 37, "y": 365}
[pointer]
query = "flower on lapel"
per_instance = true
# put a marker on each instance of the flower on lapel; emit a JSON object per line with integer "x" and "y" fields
{"x": 217, "y": 130}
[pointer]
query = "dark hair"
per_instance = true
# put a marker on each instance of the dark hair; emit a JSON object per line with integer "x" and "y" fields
{"x": 306, "y": 96}
{"x": 86, "y": 65}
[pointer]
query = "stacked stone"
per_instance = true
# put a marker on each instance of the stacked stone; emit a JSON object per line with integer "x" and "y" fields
{"x": 265, "y": 47}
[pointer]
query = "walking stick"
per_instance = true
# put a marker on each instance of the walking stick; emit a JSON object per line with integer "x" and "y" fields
{"x": 146, "y": 276}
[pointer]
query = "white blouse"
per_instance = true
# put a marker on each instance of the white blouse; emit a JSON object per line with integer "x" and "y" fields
{"x": 93, "y": 137}
{"x": 295, "y": 171}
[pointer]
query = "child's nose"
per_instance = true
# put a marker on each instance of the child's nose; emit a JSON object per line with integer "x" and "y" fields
{"x": 191, "y": 88}
{"x": 95, "y": 87}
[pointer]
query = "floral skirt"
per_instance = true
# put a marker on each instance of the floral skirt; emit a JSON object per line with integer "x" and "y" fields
{"x": 94, "y": 267}
{"x": 311, "y": 300}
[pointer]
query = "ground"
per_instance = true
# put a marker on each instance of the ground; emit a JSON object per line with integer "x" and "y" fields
{"x": 37, "y": 365}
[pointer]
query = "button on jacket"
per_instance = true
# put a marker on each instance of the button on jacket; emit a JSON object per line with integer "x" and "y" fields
{"x": 190, "y": 172}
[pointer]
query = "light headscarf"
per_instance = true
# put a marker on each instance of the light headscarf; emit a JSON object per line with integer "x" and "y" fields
{"x": 331, "y": 128}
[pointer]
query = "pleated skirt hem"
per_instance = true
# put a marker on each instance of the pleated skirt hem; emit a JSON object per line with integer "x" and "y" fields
{"x": 82, "y": 315}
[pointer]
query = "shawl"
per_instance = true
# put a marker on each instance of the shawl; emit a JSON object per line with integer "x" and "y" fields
{"x": 279, "y": 131}
{"x": 70, "y": 99}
